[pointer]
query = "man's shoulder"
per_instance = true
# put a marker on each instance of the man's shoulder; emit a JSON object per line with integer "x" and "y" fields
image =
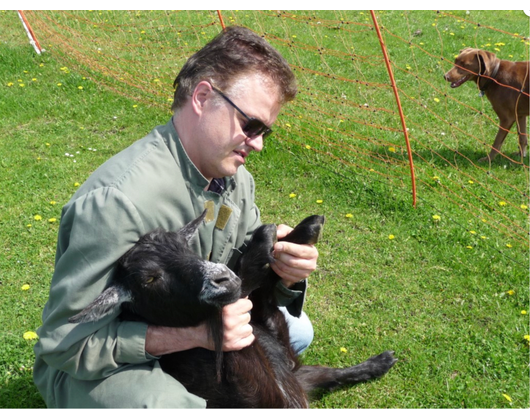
{"x": 137, "y": 167}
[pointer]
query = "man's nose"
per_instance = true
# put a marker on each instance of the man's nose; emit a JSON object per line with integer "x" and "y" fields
{"x": 256, "y": 143}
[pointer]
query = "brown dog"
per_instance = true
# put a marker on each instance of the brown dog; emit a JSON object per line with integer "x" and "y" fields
{"x": 510, "y": 104}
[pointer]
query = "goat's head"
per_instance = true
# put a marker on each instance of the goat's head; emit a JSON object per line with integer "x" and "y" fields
{"x": 164, "y": 282}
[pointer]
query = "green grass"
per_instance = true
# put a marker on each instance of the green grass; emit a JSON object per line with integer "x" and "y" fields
{"x": 437, "y": 292}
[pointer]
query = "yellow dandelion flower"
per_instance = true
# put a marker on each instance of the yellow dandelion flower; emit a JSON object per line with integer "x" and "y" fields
{"x": 472, "y": 232}
{"x": 507, "y": 397}
{"x": 288, "y": 125}
{"x": 502, "y": 203}
{"x": 52, "y": 220}
{"x": 391, "y": 149}
{"x": 37, "y": 217}
{"x": 53, "y": 203}
{"x": 524, "y": 206}
{"x": 469, "y": 247}
{"x": 25, "y": 287}
{"x": 511, "y": 292}
{"x": 135, "y": 106}
{"x": 523, "y": 312}
{"x": 436, "y": 218}
{"x": 436, "y": 100}
{"x": 391, "y": 237}
{"x": 527, "y": 337}
{"x": 292, "y": 195}
{"x": 470, "y": 182}
{"x": 307, "y": 146}
{"x": 10, "y": 84}
{"x": 508, "y": 245}
{"x": 59, "y": 84}
{"x": 349, "y": 215}
{"x": 80, "y": 87}
{"x": 320, "y": 201}
{"x": 76, "y": 184}
{"x": 30, "y": 335}
{"x": 344, "y": 350}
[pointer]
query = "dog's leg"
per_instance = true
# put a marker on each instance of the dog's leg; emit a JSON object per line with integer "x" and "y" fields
{"x": 523, "y": 135}
{"x": 326, "y": 378}
{"x": 505, "y": 125}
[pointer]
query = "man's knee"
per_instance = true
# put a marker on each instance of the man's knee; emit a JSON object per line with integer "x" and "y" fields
{"x": 300, "y": 330}
{"x": 136, "y": 386}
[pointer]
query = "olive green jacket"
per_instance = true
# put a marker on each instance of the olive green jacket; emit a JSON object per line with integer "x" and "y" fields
{"x": 151, "y": 184}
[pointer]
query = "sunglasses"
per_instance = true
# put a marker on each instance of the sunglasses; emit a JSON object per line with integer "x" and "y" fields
{"x": 253, "y": 127}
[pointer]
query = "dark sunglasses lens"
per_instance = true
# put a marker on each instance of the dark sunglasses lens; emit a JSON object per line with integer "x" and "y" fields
{"x": 254, "y": 128}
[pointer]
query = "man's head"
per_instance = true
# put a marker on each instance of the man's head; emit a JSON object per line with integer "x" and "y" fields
{"x": 228, "y": 96}
{"x": 233, "y": 54}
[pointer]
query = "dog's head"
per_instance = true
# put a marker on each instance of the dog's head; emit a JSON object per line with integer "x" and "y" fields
{"x": 471, "y": 63}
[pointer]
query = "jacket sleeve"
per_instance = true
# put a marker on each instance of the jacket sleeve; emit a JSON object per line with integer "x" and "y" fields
{"x": 96, "y": 229}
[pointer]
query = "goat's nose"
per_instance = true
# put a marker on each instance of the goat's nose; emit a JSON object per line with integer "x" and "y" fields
{"x": 220, "y": 281}
{"x": 222, "y": 277}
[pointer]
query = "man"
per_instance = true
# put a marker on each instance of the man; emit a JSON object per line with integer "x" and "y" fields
{"x": 228, "y": 95}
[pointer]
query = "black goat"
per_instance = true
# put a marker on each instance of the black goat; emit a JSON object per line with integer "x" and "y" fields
{"x": 161, "y": 281}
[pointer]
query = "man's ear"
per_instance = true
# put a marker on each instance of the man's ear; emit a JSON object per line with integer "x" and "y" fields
{"x": 200, "y": 95}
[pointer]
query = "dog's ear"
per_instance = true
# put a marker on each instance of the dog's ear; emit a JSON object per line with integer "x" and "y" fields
{"x": 486, "y": 61}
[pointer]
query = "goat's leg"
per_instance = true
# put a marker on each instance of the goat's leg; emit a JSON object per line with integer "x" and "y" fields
{"x": 307, "y": 231}
{"x": 326, "y": 378}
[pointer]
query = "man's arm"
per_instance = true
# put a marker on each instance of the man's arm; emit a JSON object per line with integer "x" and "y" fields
{"x": 237, "y": 333}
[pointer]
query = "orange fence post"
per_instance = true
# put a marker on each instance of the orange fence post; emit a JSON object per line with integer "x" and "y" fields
{"x": 32, "y": 38}
{"x": 221, "y": 18}
{"x": 394, "y": 87}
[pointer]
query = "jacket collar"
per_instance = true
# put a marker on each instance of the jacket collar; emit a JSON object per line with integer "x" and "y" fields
{"x": 188, "y": 168}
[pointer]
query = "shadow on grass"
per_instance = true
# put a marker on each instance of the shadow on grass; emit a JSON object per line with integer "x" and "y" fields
{"x": 20, "y": 393}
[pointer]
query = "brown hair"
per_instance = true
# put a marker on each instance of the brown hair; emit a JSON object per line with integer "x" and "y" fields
{"x": 235, "y": 52}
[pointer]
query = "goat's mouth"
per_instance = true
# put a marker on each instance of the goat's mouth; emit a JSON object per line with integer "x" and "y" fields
{"x": 459, "y": 82}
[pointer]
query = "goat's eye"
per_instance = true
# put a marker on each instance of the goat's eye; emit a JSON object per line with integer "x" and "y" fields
{"x": 150, "y": 280}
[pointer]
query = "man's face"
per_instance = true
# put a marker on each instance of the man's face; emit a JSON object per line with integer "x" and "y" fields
{"x": 220, "y": 145}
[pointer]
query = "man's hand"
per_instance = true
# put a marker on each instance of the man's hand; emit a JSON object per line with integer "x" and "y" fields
{"x": 293, "y": 262}
{"x": 237, "y": 330}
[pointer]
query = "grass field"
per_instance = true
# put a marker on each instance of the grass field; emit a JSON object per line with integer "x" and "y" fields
{"x": 443, "y": 289}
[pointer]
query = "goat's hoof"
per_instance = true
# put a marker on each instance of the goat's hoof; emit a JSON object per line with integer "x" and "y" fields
{"x": 383, "y": 362}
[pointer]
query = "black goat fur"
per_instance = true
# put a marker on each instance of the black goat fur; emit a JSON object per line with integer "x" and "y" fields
{"x": 162, "y": 282}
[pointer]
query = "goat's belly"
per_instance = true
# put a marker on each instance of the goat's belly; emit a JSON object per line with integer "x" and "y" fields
{"x": 250, "y": 379}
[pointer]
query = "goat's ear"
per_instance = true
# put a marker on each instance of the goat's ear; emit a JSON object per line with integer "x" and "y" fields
{"x": 107, "y": 302}
{"x": 189, "y": 230}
